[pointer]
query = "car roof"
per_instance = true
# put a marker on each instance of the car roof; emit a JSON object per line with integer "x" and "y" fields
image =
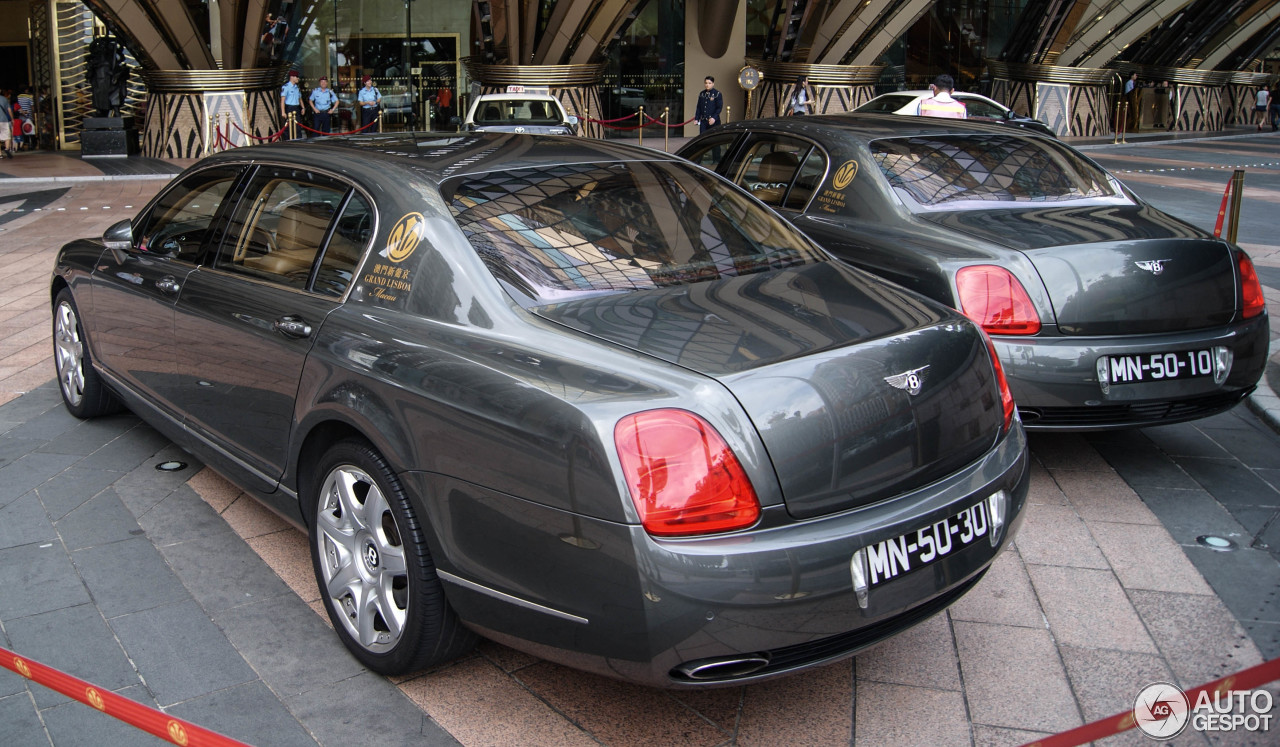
{"x": 436, "y": 156}
{"x": 867, "y": 126}
{"x": 926, "y": 94}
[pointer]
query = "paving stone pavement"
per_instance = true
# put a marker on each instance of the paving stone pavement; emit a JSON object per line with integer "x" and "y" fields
{"x": 177, "y": 590}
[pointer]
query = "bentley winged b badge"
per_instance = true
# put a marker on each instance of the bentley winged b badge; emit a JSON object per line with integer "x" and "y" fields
{"x": 908, "y": 381}
{"x": 1153, "y": 266}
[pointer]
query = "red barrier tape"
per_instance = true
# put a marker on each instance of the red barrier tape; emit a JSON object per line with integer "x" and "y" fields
{"x": 659, "y": 121}
{"x": 1222, "y": 211}
{"x": 348, "y": 132}
{"x": 164, "y": 726}
{"x": 1250, "y": 678}
{"x": 269, "y": 138}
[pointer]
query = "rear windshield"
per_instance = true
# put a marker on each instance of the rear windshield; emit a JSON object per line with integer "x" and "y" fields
{"x": 517, "y": 112}
{"x": 558, "y": 233}
{"x": 952, "y": 170}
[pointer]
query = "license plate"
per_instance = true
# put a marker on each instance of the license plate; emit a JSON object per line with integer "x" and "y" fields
{"x": 1186, "y": 364}
{"x": 912, "y": 551}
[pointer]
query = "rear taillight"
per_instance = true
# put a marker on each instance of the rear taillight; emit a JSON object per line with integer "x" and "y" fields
{"x": 1251, "y": 298}
{"x": 993, "y": 297}
{"x": 683, "y": 478}
{"x": 1006, "y": 396}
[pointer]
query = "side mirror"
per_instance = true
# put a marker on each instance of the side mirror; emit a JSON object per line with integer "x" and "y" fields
{"x": 573, "y": 120}
{"x": 118, "y": 239}
{"x": 455, "y": 121}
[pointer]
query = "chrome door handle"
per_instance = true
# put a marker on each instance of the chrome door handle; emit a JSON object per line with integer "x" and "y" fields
{"x": 168, "y": 284}
{"x": 292, "y": 326}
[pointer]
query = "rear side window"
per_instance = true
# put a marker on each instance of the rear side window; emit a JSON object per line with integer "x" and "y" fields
{"x": 555, "y": 234}
{"x": 952, "y": 170}
{"x": 770, "y": 166}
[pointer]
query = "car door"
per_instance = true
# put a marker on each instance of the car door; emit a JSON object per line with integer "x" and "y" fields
{"x": 248, "y": 317}
{"x": 135, "y": 291}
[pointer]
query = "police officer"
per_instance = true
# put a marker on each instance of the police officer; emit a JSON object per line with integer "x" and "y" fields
{"x": 323, "y": 103}
{"x": 369, "y": 99}
{"x": 710, "y": 102}
{"x": 290, "y": 97}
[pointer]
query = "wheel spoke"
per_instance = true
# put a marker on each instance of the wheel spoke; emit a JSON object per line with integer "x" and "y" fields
{"x": 353, "y": 511}
{"x": 366, "y": 616}
{"x": 392, "y": 615}
{"x": 346, "y": 579}
{"x": 392, "y": 560}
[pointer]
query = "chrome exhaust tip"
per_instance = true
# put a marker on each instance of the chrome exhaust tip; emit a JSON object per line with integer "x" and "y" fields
{"x": 706, "y": 670}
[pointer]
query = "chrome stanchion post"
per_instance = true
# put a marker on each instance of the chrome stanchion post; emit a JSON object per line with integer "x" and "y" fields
{"x": 378, "y": 120}
{"x": 208, "y": 137}
{"x": 226, "y": 123}
{"x": 1125, "y": 128}
{"x": 640, "y": 120}
{"x": 728, "y": 112}
{"x": 1115, "y": 131}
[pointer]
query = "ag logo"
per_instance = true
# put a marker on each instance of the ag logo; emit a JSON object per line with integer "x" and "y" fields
{"x": 908, "y": 381}
{"x": 405, "y": 236}
{"x": 1161, "y": 711}
{"x": 844, "y": 174}
{"x": 177, "y": 734}
{"x": 95, "y": 698}
{"x": 22, "y": 667}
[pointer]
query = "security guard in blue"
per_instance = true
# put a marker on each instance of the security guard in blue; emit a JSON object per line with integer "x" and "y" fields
{"x": 710, "y": 102}
{"x": 290, "y": 97}
{"x": 323, "y": 103}
{"x": 369, "y": 99}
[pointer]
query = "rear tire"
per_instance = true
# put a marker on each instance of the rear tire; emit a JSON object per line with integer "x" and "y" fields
{"x": 371, "y": 561}
{"x": 83, "y": 391}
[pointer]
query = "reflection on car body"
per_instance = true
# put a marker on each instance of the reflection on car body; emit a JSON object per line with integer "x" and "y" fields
{"x": 1050, "y": 253}
{"x": 581, "y": 398}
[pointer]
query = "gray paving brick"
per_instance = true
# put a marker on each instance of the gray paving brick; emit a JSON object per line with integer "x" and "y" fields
{"x": 23, "y": 474}
{"x": 1230, "y": 482}
{"x": 23, "y": 522}
{"x": 1188, "y": 514}
{"x": 1266, "y": 636}
{"x": 1143, "y": 465}
{"x": 46, "y": 426}
{"x": 1247, "y": 581}
{"x": 349, "y": 712}
{"x": 10, "y": 683}
{"x": 181, "y": 516}
{"x": 128, "y": 576}
{"x": 76, "y": 641}
{"x": 74, "y": 724}
{"x": 128, "y": 450}
{"x": 31, "y": 404}
{"x": 102, "y": 519}
{"x": 146, "y": 473}
{"x": 1256, "y": 448}
{"x": 90, "y": 435}
{"x": 180, "y": 652}
{"x": 12, "y": 449}
{"x": 250, "y": 713}
{"x": 1184, "y": 439}
{"x": 288, "y": 644}
{"x": 223, "y": 572}
{"x": 35, "y": 579}
{"x": 73, "y": 488}
{"x": 21, "y": 725}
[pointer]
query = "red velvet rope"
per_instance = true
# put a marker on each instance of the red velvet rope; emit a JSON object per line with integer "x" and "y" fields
{"x": 348, "y": 132}
{"x": 267, "y": 139}
{"x": 660, "y": 122}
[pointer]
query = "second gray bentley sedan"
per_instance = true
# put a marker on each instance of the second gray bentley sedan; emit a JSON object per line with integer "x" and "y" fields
{"x": 585, "y": 399}
{"x": 1107, "y": 312}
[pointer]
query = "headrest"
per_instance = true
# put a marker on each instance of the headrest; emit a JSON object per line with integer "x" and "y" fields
{"x": 778, "y": 166}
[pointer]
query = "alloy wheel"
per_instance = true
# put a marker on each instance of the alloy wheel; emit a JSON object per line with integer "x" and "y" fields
{"x": 69, "y": 353}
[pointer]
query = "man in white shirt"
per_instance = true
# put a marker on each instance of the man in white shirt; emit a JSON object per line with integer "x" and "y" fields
{"x": 940, "y": 104}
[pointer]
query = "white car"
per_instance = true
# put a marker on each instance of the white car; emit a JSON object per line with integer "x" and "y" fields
{"x": 532, "y": 113}
{"x": 979, "y": 107}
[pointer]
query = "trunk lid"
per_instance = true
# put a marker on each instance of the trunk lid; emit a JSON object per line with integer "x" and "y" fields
{"x": 809, "y": 352}
{"x": 1115, "y": 269}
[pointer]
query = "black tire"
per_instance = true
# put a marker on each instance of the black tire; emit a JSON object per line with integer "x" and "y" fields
{"x": 355, "y": 552}
{"x": 83, "y": 391}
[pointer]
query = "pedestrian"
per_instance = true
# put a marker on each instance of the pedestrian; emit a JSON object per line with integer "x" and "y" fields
{"x": 1132, "y": 95}
{"x": 444, "y": 105}
{"x": 27, "y": 105}
{"x": 324, "y": 102}
{"x": 939, "y": 103}
{"x": 710, "y": 104}
{"x": 290, "y": 98}
{"x": 1273, "y": 106}
{"x": 1260, "y": 106}
{"x": 6, "y": 126}
{"x": 370, "y": 99}
{"x": 801, "y": 97}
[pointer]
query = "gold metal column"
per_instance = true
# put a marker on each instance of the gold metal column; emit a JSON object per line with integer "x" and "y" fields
{"x": 177, "y": 124}
{"x": 1082, "y": 94}
{"x": 836, "y": 88}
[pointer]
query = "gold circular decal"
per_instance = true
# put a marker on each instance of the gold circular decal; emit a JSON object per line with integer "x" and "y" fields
{"x": 95, "y": 698}
{"x": 405, "y": 236}
{"x": 22, "y": 667}
{"x": 844, "y": 174}
{"x": 177, "y": 734}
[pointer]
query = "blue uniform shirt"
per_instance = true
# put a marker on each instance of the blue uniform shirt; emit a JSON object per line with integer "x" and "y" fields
{"x": 291, "y": 95}
{"x": 369, "y": 95}
{"x": 323, "y": 99}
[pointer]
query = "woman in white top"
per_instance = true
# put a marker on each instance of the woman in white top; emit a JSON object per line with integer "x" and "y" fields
{"x": 801, "y": 97}
{"x": 1260, "y": 107}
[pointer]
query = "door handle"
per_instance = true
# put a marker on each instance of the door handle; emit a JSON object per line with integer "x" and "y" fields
{"x": 168, "y": 284}
{"x": 292, "y": 326}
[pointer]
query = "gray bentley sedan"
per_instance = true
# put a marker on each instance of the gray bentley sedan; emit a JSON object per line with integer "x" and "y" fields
{"x": 1106, "y": 312}
{"x": 584, "y": 399}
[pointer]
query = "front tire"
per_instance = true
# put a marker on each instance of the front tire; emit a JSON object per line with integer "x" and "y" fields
{"x": 83, "y": 391}
{"x": 375, "y": 573}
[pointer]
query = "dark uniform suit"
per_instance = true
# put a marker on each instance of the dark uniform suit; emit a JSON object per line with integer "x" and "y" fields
{"x": 709, "y": 105}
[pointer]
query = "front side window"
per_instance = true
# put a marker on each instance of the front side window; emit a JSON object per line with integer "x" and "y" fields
{"x": 974, "y": 171}
{"x": 180, "y": 223}
{"x": 280, "y": 225}
{"x": 980, "y": 108}
{"x": 555, "y": 234}
{"x": 712, "y": 151}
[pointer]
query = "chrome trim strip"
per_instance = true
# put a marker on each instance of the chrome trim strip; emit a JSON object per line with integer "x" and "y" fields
{"x": 508, "y": 598}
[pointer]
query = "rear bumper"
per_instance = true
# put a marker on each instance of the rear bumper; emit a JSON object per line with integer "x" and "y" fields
{"x": 620, "y": 603}
{"x": 1055, "y": 382}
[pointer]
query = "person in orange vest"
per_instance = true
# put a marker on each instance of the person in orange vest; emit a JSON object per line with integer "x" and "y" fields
{"x": 940, "y": 104}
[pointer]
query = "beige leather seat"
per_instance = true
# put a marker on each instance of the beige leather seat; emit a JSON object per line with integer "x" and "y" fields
{"x": 298, "y": 235}
{"x": 777, "y": 169}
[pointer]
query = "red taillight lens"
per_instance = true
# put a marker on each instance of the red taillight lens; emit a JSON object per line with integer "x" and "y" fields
{"x": 683, "y": 477}
{"x": 993, "y": 297}
{"x": 1006, "y": 396}
{"x": 1253, "y": 302}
